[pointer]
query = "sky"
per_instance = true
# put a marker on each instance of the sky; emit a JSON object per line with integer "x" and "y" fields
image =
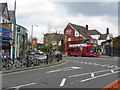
{"x": 54, "y": 15}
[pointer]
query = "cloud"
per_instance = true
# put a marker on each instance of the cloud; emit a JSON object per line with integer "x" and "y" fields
{"x": 91, "y": 8}
{"x": 42, "y": 12}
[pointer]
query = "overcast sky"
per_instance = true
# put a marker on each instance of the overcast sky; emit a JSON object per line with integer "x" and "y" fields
{"x": 97, "y": 15}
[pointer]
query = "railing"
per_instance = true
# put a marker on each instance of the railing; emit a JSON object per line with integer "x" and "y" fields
{"x": 32, "y": 60}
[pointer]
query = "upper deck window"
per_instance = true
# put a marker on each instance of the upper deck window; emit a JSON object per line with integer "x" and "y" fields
{"x": 94, "y": 41}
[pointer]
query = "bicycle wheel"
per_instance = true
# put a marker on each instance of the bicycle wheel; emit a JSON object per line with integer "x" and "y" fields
{"x": 29, "y": 63}
{"x": 18, "y": 64}
{"x": 24, "y": 63}
{"x": 8, "y": 65}
{"x": 36, "y": 63}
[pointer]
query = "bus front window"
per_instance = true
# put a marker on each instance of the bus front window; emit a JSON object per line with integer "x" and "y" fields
{"x": 92, "y": 49}
{"x": 94, "y": 41}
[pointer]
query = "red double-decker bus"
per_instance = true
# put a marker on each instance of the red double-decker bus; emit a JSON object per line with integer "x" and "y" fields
{"x": 82, "y": 47}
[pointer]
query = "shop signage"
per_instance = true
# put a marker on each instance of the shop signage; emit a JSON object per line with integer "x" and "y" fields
{"x": 6, "y": 33}
{"x": 34, "y": 42}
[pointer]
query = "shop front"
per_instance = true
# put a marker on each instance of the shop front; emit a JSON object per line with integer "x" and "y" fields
{"x": 5, "y": 37}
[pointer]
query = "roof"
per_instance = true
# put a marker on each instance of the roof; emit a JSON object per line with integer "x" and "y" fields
{"x": 94, "y": 32}
{"x": 2, "y": 9}
{"x": 12, "y": 15}
{"x": 103, "y": 37}
{"x": 2, "y": 6}
{"x": 82, "y": 30}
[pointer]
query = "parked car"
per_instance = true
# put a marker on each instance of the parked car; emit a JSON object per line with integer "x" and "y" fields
{"x": 39, "y": 52}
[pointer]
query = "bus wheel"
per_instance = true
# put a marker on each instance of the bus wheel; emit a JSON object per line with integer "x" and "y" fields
{"x": 83, "y": 55}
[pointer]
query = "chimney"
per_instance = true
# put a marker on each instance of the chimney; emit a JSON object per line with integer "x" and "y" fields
{"x": 107, "y": 31}
{"x": 86, "y": 27}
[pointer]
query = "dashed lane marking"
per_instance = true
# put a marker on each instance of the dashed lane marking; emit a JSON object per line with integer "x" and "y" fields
{"x": 99, "y": 76}
{"x": 96, "y": 64}
{"x": 81, "y": 62}
{"x": 77, "y": 75}
{"x": 85, "y": 62}
{"x": 90, "y": 63}
{"x": 103, "y": 65}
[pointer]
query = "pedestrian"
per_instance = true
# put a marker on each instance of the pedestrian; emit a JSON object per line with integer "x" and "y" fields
{"x": 47, "y": 57}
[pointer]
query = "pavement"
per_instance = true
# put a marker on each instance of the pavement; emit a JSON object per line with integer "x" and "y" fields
{"x": 105, "y": 56}
{"x": 14, "y": 69}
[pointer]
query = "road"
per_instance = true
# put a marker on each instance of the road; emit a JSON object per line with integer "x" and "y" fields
{"x": 75, "y": 72}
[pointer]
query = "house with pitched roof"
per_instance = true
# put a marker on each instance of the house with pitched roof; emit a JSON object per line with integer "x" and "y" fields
{"x": 6, "y": 16}
{"x": 76, "y": 32}
{"x": 7, "y": 32}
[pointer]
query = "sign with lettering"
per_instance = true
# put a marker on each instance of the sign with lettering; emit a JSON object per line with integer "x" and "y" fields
{"x": 34, "y": 42}
{"x": 6, "y": 33}
{"x": 77, "y": 45}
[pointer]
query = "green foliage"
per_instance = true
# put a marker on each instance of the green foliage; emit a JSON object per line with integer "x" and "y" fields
{"x": 45, "y": 49}
{"x": 117, "y": 39}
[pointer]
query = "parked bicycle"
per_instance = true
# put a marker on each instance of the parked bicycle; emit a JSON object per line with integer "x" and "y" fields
{"x": 20, "y": 62}
{"x": 7, "y": 63}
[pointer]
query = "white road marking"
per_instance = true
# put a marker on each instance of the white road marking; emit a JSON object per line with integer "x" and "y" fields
{"x": 64, "y": 69}
{"x": 17, "y": 87}
{"x": 85, "y": 62}
{"x": 112, "y": 71}
{"x": 90, "y": 63}
{"x": 90, "y": 73}
{"x": 98, "y": 76}
{"x": 96, "y": 64}
{"x": 81, "y": 62}
{"x": 102, "y": 65}
{"x": 62, "y": 82}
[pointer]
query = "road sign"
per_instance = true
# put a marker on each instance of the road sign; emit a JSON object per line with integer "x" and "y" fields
{"x": 11, "y": 42}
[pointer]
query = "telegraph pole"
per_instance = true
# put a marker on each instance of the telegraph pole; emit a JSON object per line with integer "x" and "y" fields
{"x": 14, "y": 32}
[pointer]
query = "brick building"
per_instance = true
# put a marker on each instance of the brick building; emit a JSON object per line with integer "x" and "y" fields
{"x": 75, "y": 32}
{"x": 54, "y": 40}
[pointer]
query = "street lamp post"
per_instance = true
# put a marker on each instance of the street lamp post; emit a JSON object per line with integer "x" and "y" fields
{"x": 32, "y": 35}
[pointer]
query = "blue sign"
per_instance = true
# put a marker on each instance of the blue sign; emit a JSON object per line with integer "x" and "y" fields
{"x": 6, "y": 33}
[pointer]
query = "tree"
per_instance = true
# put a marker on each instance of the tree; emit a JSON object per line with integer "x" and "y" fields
{"x": 117, "y": 39}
